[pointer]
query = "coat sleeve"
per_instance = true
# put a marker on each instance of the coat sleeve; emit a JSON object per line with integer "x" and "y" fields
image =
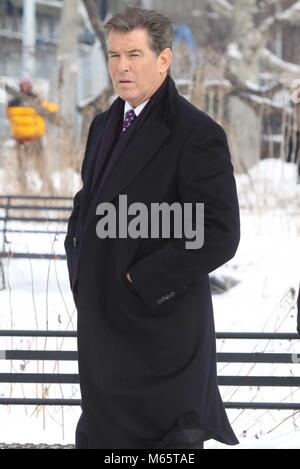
{"x": 72, "y": 222}
{"x": 205, "y": 175}
{"x": 77, "y": 198}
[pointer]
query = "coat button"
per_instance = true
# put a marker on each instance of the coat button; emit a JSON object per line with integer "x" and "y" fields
{"x": 172, "y": 294}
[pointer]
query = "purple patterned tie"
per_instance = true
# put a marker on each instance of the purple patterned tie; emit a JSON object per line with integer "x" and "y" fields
{"x": 129, "y": 118}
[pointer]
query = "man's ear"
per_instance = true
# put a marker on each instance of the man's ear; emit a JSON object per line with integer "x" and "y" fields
{"x": 165, "y": 59}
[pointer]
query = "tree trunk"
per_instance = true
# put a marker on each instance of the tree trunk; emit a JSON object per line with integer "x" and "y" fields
{"x": 244, "y": 122}
{"x": 67, "y": 78}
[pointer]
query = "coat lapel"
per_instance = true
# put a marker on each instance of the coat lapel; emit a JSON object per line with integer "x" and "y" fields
{"x": 145, "y": 144}
{"x": 109, "y": 138}
{"x": 97, "y": 140}
{"x": 137, "y": 154}
{"x": 102, "y": 140}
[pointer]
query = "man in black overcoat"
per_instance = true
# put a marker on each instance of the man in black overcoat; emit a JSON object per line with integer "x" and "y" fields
{"x": 146, "y": 336}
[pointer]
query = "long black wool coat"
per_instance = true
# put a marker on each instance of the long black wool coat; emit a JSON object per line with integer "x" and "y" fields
{"x": 146, "y": 351}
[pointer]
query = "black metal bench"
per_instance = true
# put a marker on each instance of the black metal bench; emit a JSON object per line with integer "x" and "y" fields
{"x": 223, "y": 380}
{"x": 42, "y": 213}
{"x": 32, "y": 209}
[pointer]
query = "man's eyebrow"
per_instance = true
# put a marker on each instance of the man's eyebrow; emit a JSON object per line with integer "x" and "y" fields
{"x": 134, "y": 50}
{"x": 110, "y": 51}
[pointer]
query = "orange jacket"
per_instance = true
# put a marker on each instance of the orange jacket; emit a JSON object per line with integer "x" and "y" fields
{"x": 26, "y": 123}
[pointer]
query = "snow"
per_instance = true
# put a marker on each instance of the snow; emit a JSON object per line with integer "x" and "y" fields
{"x": 289, "y": 440}
{"x": 70, "y": 176}
{"x": 253, "y": 86}
{"x": 267, "y": 267}
{"x": 223, "y": 7}
{"x": 218, "y": 83}
{"x": 274, "y": 138}
{"x": 270, "y": 184}
{"x": 278, "y": 64}
{"x": 262, "y": 100}
{"x": 233, "y": 51}
{"x": 291, "y": 14}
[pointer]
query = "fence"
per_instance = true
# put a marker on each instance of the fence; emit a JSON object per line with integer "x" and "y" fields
{"x": 43, "y": 209}
{"x": 223, "y": 380}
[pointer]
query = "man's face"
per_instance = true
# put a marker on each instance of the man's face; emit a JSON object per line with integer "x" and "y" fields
{"x": 26, "y": 87}
{"x": 136, "y": 71}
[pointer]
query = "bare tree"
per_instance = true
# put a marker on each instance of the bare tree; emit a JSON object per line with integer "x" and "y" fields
{"x": 100, "y": 103}
{"x": 96, "y": 23}
{"x": 247, "y": 57}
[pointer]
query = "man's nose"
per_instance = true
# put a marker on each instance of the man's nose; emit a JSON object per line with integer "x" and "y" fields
{"x": 123, "y": 64}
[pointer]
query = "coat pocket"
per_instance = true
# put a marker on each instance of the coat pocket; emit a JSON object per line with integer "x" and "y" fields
{"x": 129, "y": 286}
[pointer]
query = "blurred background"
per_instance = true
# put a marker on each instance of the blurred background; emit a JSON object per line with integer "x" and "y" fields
{"x": 237, "y": 60}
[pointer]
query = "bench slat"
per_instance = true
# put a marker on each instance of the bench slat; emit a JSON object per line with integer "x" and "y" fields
{"x": 228, "y": 405}
{"x": 259, "y": 381}
{"x": 256, "y": 357}
{"x": 61, "y": 355}
{"x": 53, "y": 378}
{"x": 286, "y": 358}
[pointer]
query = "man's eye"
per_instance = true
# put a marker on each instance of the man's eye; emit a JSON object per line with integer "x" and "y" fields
{"x": 134, "y": 55}
{"x": 113, "y": 56}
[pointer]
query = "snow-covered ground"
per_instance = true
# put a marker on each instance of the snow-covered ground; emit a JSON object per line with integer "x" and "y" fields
{"x": 267, "y": 266}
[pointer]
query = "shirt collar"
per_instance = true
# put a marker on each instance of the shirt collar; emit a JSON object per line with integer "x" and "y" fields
{"x": 137, "y": 110}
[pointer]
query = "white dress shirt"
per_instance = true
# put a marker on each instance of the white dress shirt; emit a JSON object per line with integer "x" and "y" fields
{"x": 137, "y": 110}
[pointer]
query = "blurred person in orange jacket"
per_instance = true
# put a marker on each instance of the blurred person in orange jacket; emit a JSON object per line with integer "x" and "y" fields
{"x": 25, "y": 123}
{"x": 27, "y": 128}
{"x": 26, "y": 88}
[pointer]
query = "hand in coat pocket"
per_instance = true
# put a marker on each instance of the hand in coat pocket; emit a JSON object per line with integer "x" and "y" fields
{"x": 129, "y": 284}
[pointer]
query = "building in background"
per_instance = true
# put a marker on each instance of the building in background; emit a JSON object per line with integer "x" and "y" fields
{"x": 209, "y": 33}
{"x": 90, "y": 67}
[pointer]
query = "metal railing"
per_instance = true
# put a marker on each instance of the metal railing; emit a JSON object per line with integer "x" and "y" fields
{"x": 223, "y": 380}
{"x": 44, "y": 209}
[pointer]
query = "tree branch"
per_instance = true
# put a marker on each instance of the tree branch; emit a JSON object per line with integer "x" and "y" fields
{"x": 290, "y": 16}
{"x": 240, "y": 86}
{"x": 96, "y": 22}
{"x": 273, "y": 63}
{"x": 222, "y": 7}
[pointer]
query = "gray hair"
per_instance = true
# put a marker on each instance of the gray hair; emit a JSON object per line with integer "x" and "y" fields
{"x": 159, "y": 27}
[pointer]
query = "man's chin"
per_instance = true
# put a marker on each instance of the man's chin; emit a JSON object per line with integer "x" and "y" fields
{"x": 130, "y": 98}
